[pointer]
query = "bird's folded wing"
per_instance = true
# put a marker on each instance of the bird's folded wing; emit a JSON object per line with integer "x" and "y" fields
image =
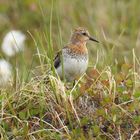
{"x": 57, "y": 60}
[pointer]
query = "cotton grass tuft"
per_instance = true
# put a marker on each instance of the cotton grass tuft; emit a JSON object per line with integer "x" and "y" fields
{"x": 5, "y": 72}
{"x": 13, "y": 42}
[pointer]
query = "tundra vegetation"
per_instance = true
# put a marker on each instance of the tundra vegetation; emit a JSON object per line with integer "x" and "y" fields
{"x": 104, "y": 103}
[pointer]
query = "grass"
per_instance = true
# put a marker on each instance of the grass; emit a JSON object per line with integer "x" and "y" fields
{"x": 105, "y": 102}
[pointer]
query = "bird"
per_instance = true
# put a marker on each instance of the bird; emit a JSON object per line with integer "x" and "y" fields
{"x": 71, "y": 61}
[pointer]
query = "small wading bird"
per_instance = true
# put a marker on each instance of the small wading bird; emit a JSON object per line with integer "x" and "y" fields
{"x": 74, "y": 56}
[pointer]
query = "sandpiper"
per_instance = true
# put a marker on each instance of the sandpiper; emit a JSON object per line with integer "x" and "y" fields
{"x": 74, "y": 56}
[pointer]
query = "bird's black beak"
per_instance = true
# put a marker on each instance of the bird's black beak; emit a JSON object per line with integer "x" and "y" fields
{"x": 93, "y": 39}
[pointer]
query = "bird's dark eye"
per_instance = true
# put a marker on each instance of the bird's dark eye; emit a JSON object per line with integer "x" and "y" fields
{"x": 84, "y": 33}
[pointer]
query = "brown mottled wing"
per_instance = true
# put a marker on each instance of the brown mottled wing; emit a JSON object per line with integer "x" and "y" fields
{"x": 57, "y": 60}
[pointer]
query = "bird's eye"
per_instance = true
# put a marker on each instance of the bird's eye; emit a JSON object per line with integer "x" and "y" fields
{"x": 84, "y": 33}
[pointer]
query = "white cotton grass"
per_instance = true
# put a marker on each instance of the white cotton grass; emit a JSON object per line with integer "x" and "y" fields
{"x": 5, "y": 73}
{"x": 13, "y": 42}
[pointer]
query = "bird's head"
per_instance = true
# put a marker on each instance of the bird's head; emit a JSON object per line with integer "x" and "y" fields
{"x": 81, "y": 34}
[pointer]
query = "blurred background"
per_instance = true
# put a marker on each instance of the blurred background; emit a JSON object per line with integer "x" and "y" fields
{"x": 115, "y": 23}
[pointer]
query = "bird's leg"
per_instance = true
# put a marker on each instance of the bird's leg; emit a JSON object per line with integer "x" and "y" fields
{"x": 74, "y": 82}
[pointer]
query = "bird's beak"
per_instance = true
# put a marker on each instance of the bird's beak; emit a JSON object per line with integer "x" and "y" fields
{"x": 93, "y": 39}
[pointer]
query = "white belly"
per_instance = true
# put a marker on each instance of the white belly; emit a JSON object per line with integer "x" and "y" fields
{"x": 73, "y": 68}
